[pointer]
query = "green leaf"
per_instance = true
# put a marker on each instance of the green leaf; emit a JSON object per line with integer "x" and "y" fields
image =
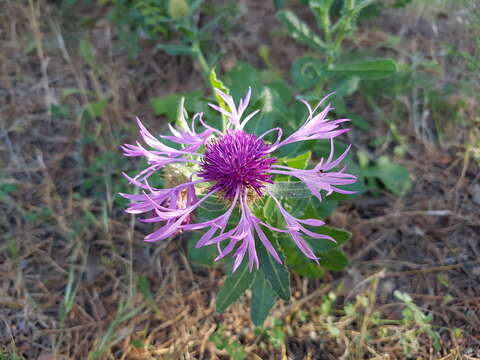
{"x": 395, "y": 177}
{"x": 71, "y": 91}
{"x": 279, "y": 4}
{"x": 205, "y": 255}
{"x": 323, "y": 208}
{"x": 306, "y": 72}
{"x": 298, "y": 262}
{"x": 362, "y": 4}
{"x": 370, "y": 69}
{"x": 309, "y": 269}
{"x": 270, "y": 77}
{"x": 61, "y": 111}
{"x": 85, "y": 49}
{"x": 283, "y": 90}
{"x": 345, "y": 87}
{"x": 216, "y": 83}
{"x": 334, "y": 260}
{"x": 325, "y": 245}
{"x": 328, "y": 251}
{"x": 240, "y": 78}
{"x": 359, "y": 122}
{"x": 168, "y": 105}
{"x": 269, "y": 210}
{"x": 144, "y": 287}
{"x": 234, "y": 287}
{"x": 277, "y": 274}
{"x": 95, "y": 109}
{"x": 263, "y": 298}
{"x": 300, "y": 31}
{"x": 176, "y": 49}
{"x": 269, "y": 105}
{"x": 300, "y": 161}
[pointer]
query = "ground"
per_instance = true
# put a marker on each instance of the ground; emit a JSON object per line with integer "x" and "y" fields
{"x": 77, "y": 279}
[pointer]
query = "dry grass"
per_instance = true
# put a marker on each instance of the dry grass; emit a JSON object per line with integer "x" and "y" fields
{"x": 74, "y": 266}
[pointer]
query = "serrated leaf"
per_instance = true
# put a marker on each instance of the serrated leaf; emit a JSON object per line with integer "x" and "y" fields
{"x": 369, "y": 69}
{"x": 216, "y": 83}
{"x": 234, "y": 287}
{"x": 263, "y": 298}
{"x": 277, "y": 274}
{"x": 300, "y": 31}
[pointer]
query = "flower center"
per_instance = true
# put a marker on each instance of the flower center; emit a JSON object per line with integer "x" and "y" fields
{"x": 237, "y": 160}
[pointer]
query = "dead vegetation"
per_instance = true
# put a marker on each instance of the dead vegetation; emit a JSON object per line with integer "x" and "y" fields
{"x": 78, "y": 282}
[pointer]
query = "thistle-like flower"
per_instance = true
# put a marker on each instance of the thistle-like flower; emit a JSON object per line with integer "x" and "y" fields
{"x": 236, "y": 168}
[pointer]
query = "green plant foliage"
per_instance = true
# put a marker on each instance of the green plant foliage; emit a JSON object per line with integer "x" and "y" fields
{"x": 168, "y": 105}
{"x": 300, "y": 31}
{"x": 223, "y": 342}
{"x": 297, "y": 261}
{"x": 86, "y": 51}
{"x": 96, "y": 108}
{"x": 234, "y": 286}
{"x": 394, "y": 177}
{"x": 277, "y": 274}
{"x": 369, "y": 69}
{"x": 334, "y": 260}
{"x": 306, "y": 72}
{"x": 273, "y": 100}
{"x": 413, "y": 316}
{"x": 177, "y": 49}
{"x": 341, "y": 237}
{"x": 331, "y": 257}
{"x": 144, "y": 286}
{"x": 263, "y": 298}
{"x": 240, "y": 78}
{"x": 205, "y": 255}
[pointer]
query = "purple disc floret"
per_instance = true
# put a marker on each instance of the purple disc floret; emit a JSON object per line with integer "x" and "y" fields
{"x": 237, "y": 160}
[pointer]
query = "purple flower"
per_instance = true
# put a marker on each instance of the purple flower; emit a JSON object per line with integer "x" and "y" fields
{"x": 235, "y": 168}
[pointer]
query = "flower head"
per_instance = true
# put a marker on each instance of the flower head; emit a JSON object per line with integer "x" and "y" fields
{"x": 237, "y": 161}
{"x": 235, "y": 167}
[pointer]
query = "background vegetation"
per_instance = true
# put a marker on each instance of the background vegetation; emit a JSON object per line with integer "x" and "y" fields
{"x": 77, "y": 281}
